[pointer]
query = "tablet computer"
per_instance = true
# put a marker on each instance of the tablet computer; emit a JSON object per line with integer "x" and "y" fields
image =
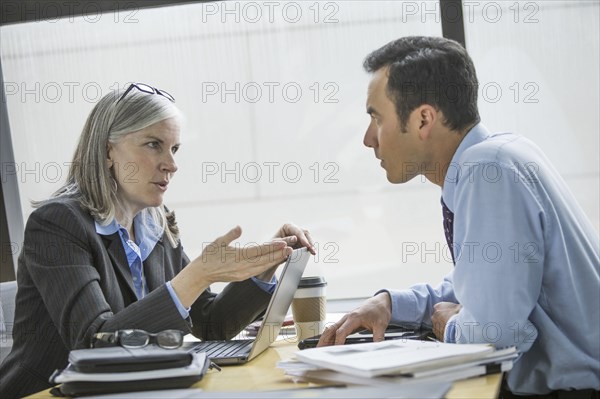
{"x": 393, "y": 332}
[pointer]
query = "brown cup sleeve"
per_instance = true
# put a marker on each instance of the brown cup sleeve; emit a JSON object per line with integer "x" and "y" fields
{"x": 308, "y": 309}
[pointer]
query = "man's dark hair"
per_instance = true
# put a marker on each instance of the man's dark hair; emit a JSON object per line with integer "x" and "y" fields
{"x": 429, "y": 70}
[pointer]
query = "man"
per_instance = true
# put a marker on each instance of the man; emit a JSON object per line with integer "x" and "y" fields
{"x": 526, "y": 257}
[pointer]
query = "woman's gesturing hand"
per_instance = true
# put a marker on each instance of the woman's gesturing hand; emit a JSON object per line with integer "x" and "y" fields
{"x": 222, "y": 262}
{"x": 295, "y": 237}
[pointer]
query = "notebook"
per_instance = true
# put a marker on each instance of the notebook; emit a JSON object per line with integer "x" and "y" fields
{"x": 242, "y": 351}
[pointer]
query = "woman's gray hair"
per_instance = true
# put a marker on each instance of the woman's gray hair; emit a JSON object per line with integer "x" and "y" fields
{"x": 90, "y": 179}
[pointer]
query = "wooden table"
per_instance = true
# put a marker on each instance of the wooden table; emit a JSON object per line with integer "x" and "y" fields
{"x": 261, "y": 374}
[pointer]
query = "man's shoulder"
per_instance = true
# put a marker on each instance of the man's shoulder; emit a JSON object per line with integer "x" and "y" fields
{"x": 502, "y": 149}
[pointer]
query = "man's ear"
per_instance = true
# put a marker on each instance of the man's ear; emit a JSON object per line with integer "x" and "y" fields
{"x": 426, "y": 117}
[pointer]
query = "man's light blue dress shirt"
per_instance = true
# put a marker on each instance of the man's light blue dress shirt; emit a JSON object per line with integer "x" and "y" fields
{"x": 527, "y": 265}
{"x": 146, "y": 236}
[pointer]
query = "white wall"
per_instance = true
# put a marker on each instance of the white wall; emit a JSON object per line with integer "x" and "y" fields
{"x": 546, "y": 86}
{"x": 363, "y": 225}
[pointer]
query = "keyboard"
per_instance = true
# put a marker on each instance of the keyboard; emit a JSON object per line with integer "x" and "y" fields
{"x": 216, "y": 349}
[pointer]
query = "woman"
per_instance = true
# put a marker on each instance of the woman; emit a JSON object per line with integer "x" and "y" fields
{"x": 103, "y": 253}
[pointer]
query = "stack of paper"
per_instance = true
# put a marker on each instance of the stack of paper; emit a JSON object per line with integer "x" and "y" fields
{"x": 398, "y": 361}
{"x": 195, "y": 368}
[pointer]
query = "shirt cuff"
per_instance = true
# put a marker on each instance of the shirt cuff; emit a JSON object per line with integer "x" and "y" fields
{"x": 404, "y": 308}
{"x": 185, "y": 313}
{"x": 450, "y": 330}
{"x": 267, "y": 286}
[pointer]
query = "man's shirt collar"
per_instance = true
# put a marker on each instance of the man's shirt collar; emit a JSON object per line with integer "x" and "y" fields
{"x": 476, "y": 135}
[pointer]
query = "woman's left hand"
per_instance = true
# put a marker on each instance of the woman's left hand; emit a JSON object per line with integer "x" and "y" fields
{"x": 294, "y": 237}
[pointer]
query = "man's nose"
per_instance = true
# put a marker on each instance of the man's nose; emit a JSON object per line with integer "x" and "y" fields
{"x": 370, "y": 139}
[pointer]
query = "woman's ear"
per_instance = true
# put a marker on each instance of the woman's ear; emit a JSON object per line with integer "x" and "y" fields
{"x": 109, "y": 161}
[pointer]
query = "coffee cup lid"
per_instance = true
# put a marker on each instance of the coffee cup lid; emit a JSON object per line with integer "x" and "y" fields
{"x": 313, "y": 281}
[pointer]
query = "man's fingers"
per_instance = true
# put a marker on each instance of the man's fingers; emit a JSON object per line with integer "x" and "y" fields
{"x": 378, "y": 333}
{"x": 347, "y": 328}
{"x": 328, "y": 336}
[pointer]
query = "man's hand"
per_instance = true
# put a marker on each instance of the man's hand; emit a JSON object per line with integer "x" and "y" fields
{"x": 374, "y": 314}
{"x": 442, "y": 311}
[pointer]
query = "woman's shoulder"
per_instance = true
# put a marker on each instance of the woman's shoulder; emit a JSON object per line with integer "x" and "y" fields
{"x": 68, "y": 209}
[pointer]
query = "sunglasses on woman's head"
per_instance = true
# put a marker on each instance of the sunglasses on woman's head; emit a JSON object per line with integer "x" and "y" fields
{"x": 147, "y": 89}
